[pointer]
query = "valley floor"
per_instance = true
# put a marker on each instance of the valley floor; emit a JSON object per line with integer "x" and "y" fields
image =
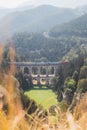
{"x": 43, "y": 96}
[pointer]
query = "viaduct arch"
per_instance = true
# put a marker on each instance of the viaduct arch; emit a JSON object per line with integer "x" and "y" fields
{"x": 38, "y": 76}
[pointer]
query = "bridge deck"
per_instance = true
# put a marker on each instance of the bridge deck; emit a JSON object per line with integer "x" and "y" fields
{"x": 38, "y": 63}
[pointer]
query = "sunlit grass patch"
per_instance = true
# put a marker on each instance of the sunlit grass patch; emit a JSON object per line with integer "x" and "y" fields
{"x": 42, "y": 96}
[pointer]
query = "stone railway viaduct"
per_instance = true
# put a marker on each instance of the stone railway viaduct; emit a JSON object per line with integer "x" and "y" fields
{"x": 38, "y": 76}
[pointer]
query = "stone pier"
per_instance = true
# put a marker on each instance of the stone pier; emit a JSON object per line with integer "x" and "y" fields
{"x": 47, "y": 77}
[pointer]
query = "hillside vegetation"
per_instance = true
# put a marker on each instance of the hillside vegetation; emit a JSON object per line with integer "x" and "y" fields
{"x": 76, "y": 28}
{"x": 61, "y": 42}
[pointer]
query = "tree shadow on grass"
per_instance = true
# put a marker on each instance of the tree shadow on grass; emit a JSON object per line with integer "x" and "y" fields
{"x": 40, "y": 88}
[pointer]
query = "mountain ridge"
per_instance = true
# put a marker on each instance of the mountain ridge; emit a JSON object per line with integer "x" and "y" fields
{"x": 38, "y": 19}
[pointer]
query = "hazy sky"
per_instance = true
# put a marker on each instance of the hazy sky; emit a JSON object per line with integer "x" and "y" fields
{"x": 64, "y": 3}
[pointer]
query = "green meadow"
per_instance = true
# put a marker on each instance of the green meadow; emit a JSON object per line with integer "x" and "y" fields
{"x": 43, "y": 96}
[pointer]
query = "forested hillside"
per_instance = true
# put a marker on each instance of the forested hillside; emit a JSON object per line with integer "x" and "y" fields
{"x": 62, "y": 42}
{"x": 35, "y": 19}
{"x": 77, "y": 27}
{"x": 38, "y": 19}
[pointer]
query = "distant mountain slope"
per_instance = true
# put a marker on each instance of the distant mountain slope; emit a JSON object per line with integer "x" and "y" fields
{"x": 81, "y": 9}
{"x": 64, "y": 42}
{"x": 3, "y": 12}
{"x": 38, "y": 19}
{"x": 39, "y": 47}
{"x": 77, "y": 27}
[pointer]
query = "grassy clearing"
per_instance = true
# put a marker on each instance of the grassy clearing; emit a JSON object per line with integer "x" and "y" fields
{"x": 43, "y": 96}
